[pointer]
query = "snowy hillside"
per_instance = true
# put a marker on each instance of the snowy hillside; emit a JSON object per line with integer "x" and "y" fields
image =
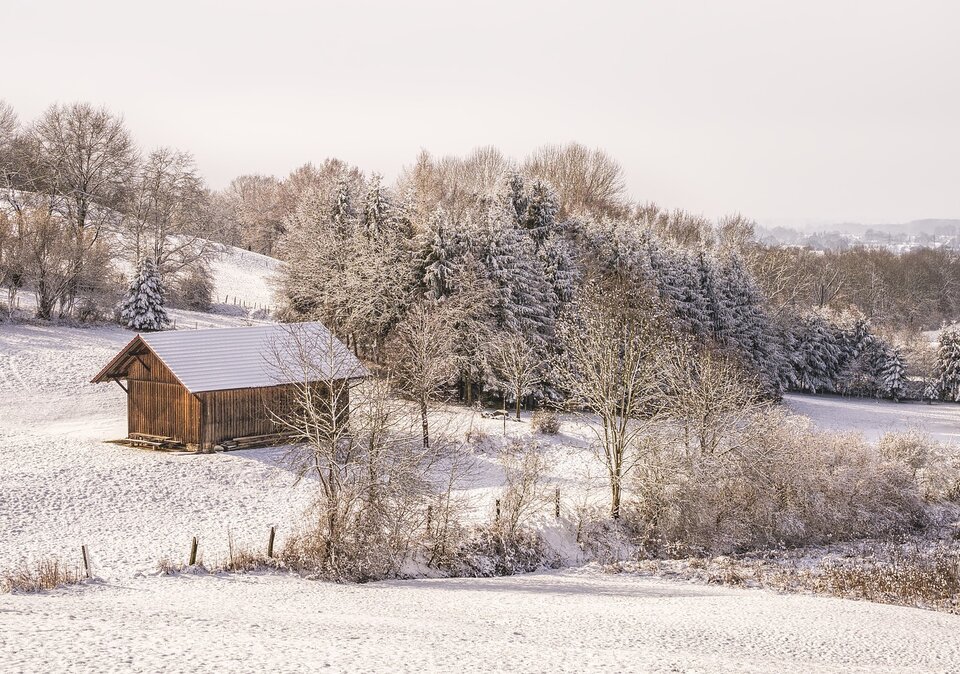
{"x": 249, "y": 278}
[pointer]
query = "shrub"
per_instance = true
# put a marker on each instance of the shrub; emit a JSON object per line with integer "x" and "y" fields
{"x": 911, "y": 578}
{"x": 935, "y": 467}
{"x": 546, "y": 422}
{"x": 774, "y": 482}
{"x": 192, "y": 288}
{"x": 494, "y": 551}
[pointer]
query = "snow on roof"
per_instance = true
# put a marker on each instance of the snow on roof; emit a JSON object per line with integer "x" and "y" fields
{"x": 248, "y": 357}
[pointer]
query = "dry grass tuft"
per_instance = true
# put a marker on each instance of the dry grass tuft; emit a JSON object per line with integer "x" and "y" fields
{"x": 45, "y": 574}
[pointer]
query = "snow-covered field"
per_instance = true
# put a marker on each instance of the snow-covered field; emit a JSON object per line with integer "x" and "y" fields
{"x": 873, "y": 417}
{"x": 577, "y": 620}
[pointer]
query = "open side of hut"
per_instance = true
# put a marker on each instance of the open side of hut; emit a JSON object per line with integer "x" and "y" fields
{"x": 202, "y": 388}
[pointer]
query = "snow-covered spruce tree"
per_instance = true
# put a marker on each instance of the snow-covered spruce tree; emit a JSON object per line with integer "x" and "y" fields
{"x": 946, "y": 384}
{"x": 677, "y": 278}
{"x": 523, "y": 300}
{"x": 540, "y": 220}
{"x": 894, "y": 375}
{"x": 142, "y": 308}
{"x": 815, "y": 353}
{"x": 515, "y": 196}
{"x": 436, "y": 257}
{"x": 376, "y": 209}
{"x": 341, "y": 212}
{"x": 560, "y": 269}
{"x": 749, "y": 332}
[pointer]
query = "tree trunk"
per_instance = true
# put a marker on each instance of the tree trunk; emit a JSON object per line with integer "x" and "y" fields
{"x": 615, "y": 492}
{"x": 426, "y": 427}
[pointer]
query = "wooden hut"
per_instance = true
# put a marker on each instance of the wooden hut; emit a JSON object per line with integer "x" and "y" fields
{"x": 203, "y": 388}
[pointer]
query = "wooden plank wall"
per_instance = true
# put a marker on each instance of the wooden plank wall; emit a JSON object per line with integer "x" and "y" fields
{"x": 159, "y": 408}
{"x": 157, "y": 404}
{"x": 236, "y": 413}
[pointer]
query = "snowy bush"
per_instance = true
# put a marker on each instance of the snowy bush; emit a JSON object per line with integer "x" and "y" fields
{"x": 935, "y": 468}
{"x": 778, "y": 483}
{"x": 545, "y": 421}
{"x": 494, "y": 551}
{"x": 193, "y": 289}
{"x": 524, "y": 470}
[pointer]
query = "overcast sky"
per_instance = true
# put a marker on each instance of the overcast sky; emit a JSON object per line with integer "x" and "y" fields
{"x": 784, "y": 111}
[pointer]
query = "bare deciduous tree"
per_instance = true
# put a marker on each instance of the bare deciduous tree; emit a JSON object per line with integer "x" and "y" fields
{"x": 710, "y": 398}
{"x": 586, "y": 181}
{"x": 359, "y": 444}
{"x": 613, "y": 341}
{"x": 423, "y": 357}
{"x": 516, "y": 366}
{"x": 84, "y": 158}
{"x": 165, "y": 214}
{"x": 524, "y": 470}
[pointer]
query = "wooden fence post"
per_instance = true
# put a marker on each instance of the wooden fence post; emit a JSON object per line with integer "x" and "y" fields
{"x": 273, "y": 534}
{"x": 556, "y": 504}
{"x": 86, "y": 561}
{"x": 193, "y": 551}
{"x": 498, "y": 510}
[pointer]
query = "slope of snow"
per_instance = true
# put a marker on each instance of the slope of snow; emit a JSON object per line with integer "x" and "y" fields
{"x": 873, "y": 417}
{"x": 244, "y": 277}
{"x": 564, "y": 621}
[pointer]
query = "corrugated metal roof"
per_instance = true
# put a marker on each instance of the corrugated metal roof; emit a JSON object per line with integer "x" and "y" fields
{"x": 263, "y": 355}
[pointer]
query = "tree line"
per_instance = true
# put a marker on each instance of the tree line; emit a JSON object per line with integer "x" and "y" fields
{"x": 490, "y": 249}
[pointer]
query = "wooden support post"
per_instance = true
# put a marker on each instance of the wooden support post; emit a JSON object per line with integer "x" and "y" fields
{"x": 193, "y": 551}
{"x": 273, "y": 535}
{"x": 556, "y": 504}
{"x": 86, "y": 561}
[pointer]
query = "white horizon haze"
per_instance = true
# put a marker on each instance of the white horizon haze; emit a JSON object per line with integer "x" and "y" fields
{"x": 814, "y": 112}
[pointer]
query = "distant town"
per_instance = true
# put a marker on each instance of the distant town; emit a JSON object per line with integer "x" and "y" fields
{"x": 897, "y": 238}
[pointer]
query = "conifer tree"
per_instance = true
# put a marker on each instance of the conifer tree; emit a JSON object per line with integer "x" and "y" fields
{"x": 540, "y": 219}
{"x": 515, "y": 197}
{"x": 523, "y": 300}
{"x": 142, "y": 308}
{"x": 375, "y": 209}
{"x": 946, "y": 385}
{"x": 560, "y": 269}
{"x": 341, "y": 213}
{"x": 437, "y": 257}
{"x": 894, "y": 375}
